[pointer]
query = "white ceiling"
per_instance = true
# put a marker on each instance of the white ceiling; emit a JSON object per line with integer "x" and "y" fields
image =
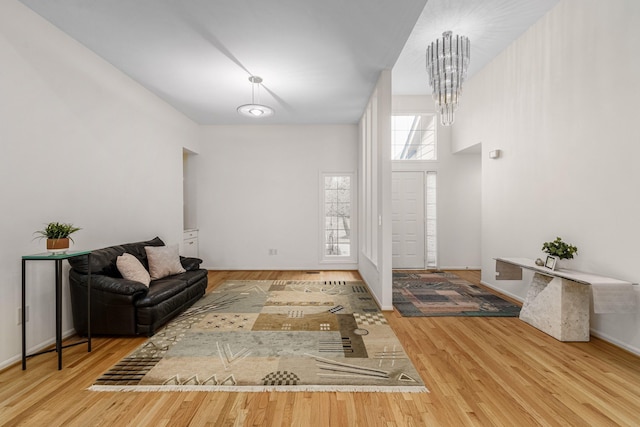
{"x": 491, "y": 26}
{"x": 319, "y": 59}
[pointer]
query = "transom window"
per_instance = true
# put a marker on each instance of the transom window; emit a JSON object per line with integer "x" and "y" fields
{"x": 413, "y": 137}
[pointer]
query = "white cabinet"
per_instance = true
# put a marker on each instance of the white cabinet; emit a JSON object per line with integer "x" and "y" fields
{"x": 190, "y": 243}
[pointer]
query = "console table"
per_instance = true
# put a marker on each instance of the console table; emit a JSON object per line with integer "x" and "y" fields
{"x": 557, "y": 301}
{"x": 57, "y": 258}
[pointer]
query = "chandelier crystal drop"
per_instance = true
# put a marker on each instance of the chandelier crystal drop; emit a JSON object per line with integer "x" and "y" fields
{"x": 447, "y": 64}
{"x": 255, "y": 110}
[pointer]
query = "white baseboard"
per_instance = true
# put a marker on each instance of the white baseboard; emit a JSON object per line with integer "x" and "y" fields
{"x": 502, "y": 291}
{"x": 375, "y": 298}
{"x": 459, "y": 267}
{"x": 34, "y": 349}
{"x": 616, "y": 342}
{"x": 348, "y": 267}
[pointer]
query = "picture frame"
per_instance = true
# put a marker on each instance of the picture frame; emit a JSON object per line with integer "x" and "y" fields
{"x": 551, "y": 262}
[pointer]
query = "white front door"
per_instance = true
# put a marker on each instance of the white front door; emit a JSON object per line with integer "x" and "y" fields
{"x": 408, "y": 220}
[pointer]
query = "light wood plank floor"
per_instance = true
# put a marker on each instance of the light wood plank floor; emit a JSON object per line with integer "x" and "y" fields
{"x": 480, "y": 371}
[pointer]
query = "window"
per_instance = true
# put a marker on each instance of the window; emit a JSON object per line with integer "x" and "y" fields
{"x": 413, "y": 137}
{"x": 337, "y": 191}
{"x": 430, "y": 220}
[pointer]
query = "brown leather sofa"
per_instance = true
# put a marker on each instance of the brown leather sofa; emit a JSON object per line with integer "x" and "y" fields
{"x": 124, "y": 307}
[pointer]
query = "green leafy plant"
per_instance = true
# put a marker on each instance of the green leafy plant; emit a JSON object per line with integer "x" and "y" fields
{"x": 57, "y": 230}
{"x": 560, "y": 249}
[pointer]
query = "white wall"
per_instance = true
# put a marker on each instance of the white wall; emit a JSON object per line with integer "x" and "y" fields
{"x": 374, "y": 154}
{"x": 562, "y": 104}
{"x": 458, "y": 191}
{"x": 81, "y": 143}
{"x": 259, "y": 189}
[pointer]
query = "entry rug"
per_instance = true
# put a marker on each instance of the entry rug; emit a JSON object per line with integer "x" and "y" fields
{"x": 444, "y": 294}
{"x": 272, "y": 336}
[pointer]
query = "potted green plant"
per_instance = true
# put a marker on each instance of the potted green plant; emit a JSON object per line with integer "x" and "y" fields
{"x": 558, "y": 250}
{"x": 57, "y": 235}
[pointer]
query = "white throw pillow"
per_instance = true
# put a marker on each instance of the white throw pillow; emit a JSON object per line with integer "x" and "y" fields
{"x": 163, "y": 261}
{"x": 132, "y": 269}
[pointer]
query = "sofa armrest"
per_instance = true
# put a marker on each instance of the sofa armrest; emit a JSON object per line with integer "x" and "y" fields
{"x": 114, "y": 285}
{"x": 189, "y": 263}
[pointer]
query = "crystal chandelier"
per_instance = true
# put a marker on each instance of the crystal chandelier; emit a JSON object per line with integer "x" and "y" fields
{"x": 447, "y": 63}
{"x": 254, "y": 109}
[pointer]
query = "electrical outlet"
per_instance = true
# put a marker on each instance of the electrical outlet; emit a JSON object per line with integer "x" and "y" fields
{"x": 19, "y": 312}
{"x": 273, "y": 252}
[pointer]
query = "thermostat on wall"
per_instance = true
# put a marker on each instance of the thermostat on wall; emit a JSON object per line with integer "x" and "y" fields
{"x": 495, "y": 154}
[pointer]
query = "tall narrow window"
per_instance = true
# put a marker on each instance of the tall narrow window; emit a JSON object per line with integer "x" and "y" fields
{"x": 430, "y": 219}
{"x": 414, "y": 137}
{"x": 337, "y": 225}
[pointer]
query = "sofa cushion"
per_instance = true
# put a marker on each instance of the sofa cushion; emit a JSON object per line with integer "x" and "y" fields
{"x": 132, "y": 269}
{"x": 163, "y": 261}
{"x": 189, "y": 263}
{"x": 151, "y": 318}
{"x": 193, "y": 276}
{"x": 138, "y": 249}
{"x": 103, "y": 261}
{"x": 162, "y": 289}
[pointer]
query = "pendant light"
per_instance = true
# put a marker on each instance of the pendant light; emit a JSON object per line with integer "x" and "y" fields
{"x": 255, "y": 110}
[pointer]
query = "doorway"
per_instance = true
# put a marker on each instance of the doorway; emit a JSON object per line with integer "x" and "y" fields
{"x": 413, "y": 220}
{"x": 189, "y": 198}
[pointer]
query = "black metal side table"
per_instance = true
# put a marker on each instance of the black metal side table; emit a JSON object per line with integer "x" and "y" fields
{"x": 57, "y": 258}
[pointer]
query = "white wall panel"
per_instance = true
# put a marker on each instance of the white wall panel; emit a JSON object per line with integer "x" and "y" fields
{"x": 375, "y": 183}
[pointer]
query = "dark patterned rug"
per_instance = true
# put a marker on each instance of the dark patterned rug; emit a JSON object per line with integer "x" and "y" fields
{"x": 272, "y": 336}
{"x": 428, "y": 294}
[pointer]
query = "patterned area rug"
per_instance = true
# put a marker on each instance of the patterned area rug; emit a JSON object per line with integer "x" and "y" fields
{"x": 445, "y": 294}
{"x": 272, "y": 336}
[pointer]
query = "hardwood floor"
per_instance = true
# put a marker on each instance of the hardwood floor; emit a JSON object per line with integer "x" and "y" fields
{"x": 480, "y": 371}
